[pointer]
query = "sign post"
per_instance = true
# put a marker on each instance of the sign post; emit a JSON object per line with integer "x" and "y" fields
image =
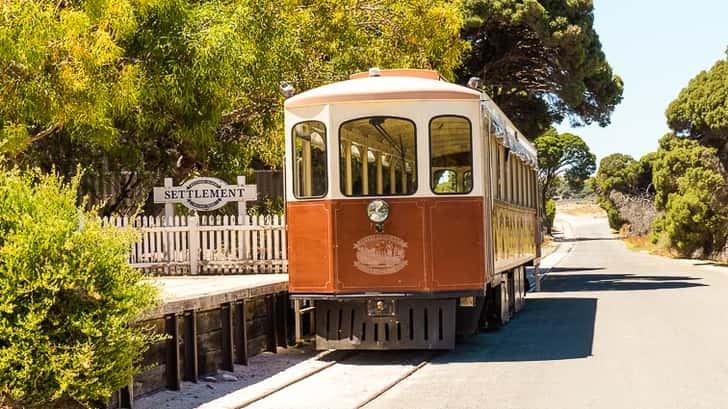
{"x": 242, "y": 205}
{"x": 202, "y": 194}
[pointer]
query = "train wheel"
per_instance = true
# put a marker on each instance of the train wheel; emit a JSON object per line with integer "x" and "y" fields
{"x": 520, "y": 278}
{"x": 512, "y": 291}
{"x": 468, "y": 317}
{"x": 491, "y": 317}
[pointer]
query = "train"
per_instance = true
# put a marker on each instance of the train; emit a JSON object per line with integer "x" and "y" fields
{"x": 412, "y": 210}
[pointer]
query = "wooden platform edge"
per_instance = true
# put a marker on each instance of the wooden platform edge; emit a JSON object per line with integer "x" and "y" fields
{"x": 209, "y": 301}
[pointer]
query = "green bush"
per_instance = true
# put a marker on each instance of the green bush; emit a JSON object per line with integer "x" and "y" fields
{"x": 693, "y": 193}
{"x": 614, "y": 217}
{"x": 695, "y": 219}
{"x": 550, "y": 214}
{"x": 67, "y": 297}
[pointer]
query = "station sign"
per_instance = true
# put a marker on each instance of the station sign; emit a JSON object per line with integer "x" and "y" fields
{"x": 205, "y": 193}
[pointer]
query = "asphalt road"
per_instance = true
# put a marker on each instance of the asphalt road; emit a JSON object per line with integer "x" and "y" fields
{"x": 612, "y": 328}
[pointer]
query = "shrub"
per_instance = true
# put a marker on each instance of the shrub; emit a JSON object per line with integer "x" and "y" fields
{"x": 67, "y": 296}
{"x": 692, "y": 189}
{"x": 550, "y": 214}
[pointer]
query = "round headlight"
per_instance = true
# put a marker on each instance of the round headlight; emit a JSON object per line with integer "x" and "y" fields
{"x": 378, "y": 211}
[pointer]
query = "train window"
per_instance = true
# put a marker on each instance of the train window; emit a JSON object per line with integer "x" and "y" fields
{"x": 378, "y": 156}
{"x": 309, "y": 160}
{"x": 451, "y": 155}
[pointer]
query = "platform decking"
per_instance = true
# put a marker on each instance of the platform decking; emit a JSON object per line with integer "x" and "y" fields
{"x": 181, "y": 293}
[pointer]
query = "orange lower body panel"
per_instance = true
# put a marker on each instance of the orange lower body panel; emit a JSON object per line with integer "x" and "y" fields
{"x": 428, "y": 245}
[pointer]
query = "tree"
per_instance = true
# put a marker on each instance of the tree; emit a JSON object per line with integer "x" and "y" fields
{"x": 541, "y": 61}
{"x": 700, "y": 112}
{"x": 175, "y": 88}
{"x": 565, "y": 154}
{"x": 572, "y": 187}
{"x": 621, "y": 173}
{"x": 692, "y": 190}
{"x": 67, "y": 297}
{"x": 614, "y": 173}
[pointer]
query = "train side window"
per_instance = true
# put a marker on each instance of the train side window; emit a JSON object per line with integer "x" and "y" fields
{"x": 378, "y": 156}
{"x": 310, "y": 175}
{"x": 451, "y": 155}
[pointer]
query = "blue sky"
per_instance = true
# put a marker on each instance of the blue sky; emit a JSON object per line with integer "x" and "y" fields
{"x": 656, "y": 47}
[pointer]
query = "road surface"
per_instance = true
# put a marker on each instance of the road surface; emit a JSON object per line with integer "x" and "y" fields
{"x": 613, "y": 328}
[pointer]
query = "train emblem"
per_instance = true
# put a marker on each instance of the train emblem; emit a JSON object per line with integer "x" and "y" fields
{"x": 380, "y": 254}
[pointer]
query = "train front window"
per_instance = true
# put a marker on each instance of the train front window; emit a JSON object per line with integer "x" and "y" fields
{"x": 310, "y": 176}
{"x": 451, "y": 155}
{"x": 378, "y": 156}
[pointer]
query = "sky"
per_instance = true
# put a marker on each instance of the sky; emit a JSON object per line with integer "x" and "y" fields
{"x": 656, "y": 47}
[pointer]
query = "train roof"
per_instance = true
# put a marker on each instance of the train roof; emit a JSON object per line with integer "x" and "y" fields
{"x": 410, "y": 84}
{"x": 389, "y": 85}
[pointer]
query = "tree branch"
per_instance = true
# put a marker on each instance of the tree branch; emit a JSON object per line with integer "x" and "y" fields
{"x": 46, "y": 132}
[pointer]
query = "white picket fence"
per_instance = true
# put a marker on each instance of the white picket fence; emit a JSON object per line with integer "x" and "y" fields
{"x": 208, "y": 244}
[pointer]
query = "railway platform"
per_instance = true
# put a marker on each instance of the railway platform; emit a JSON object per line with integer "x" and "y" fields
{"x": 211, "y": 324}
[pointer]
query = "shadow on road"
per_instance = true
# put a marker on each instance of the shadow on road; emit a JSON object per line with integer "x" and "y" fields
{"x": 570, "y": 269}
{"x": 576, "y": 239}
{"x": 560, "y": 280}
{"x": 710, "y": 263}
{"x": 547, "y": 329}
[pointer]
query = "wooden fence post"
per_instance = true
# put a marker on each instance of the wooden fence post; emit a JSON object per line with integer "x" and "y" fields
{"x": 190, "y": 346}
{"x": 168, "y": 219}
{"x": 241, "y": 348}
{"x": 193, "y": 223}
{"x": 228, "y": 337}
{"x": 172, "y": 364}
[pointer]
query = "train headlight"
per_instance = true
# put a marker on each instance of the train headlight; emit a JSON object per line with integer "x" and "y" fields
{"x": 378, "y": 211}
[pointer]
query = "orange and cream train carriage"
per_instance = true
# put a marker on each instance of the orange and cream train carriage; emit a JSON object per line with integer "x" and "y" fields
{"x": 411, "y": 208}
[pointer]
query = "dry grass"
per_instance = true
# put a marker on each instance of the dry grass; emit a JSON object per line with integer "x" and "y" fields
{"x": 644, "y": 243}
{"x": 581, "y": 209}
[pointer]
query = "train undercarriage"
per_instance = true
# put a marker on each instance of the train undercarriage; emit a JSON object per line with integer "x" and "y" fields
{"x": 415, "y": 321}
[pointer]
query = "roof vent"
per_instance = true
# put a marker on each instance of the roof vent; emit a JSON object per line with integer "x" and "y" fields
{"x": 375, "y": 72}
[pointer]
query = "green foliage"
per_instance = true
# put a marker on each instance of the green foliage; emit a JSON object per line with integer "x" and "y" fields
{"x": 692, "y": 189}
{"x": 565, "y": 154}
{"x": 701, "y": 112}
{"x": 571, "y": 188}
{"x": 268, "y": 207}
{"x": 691, "y": 174}
{"x": 614, "y": 217}
{"x": 67, "y": 296}
{"x": 622, "y": 173}
{"x": 541, "y": 60}
{"x": 614, "y": 173}
{"x": 179, "y": 87}
{"x": 619, "y": 172}
{"x": 550, "y": 214}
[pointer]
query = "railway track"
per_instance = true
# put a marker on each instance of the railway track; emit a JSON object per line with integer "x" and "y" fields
{"x": 348, "y": 380}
